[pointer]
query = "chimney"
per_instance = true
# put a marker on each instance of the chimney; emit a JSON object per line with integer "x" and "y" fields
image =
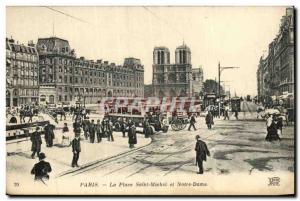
{"x": 30, "y": 43}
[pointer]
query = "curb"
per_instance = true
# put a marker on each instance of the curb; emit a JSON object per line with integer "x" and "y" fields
{"x": 101, "y": 160}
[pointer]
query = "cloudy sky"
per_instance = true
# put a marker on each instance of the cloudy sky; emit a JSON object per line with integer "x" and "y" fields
{"x": 235, "y": 36}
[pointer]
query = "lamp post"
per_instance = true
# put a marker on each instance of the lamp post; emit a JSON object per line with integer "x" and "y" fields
{"x": 220, "y": 69}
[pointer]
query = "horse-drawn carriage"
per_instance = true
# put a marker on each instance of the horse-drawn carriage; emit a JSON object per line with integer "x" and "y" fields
{"x": 137, "y": 116}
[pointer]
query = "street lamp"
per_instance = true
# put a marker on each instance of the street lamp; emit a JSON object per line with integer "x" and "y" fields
{"x": 220, "y": 69}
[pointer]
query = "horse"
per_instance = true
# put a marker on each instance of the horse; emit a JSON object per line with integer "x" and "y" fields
{"x": 26, "y": 113}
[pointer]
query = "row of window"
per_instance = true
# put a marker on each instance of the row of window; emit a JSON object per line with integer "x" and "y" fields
{"x": 22, "y": 64}
{"x": 81, "y": 64}
{"x": 25, "y": 92}
{"x": 22, "y": 73}
{"x": 25, "y": 82}
{"x": 21, "y": 56}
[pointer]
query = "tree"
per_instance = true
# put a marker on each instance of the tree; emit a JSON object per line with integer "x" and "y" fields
{"x": 211, "y": 86}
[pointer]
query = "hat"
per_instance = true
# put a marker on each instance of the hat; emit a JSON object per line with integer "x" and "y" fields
{"x": 42, "y": 156}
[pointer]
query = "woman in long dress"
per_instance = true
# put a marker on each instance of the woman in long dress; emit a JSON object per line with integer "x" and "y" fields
{"x": 272, "y": 129}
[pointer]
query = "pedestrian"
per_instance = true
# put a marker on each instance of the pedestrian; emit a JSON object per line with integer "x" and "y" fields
{"x": 49, "y": 134}
{"x": 77, "y": 126}
{"x": 36, "y": 141}
{"x": 147, "y": 128}
{"x": 209, "y": 120}
{"x": 201, "y": 153}
{"x": 236, "y": 114}
{"x": 65, "y": 135}
{"x": 226, "y": 114}
{"x": 86, "y": 127}
{"x": 132, "y": 138}
{"x": 92, "y": 131}
{"x": 104, "y": 127}
{"x": 99, "y": 131}
{"x": 41, "y": 169}
{"x": 272, "y": 133}
{"x": 144, "y": 125}
{"x": 30, "y": 114}
{"x": 123, "y": 127}
{"x": 62, "y": 113}
{"x": 76, "y": 149}
{"x": 109, "y": 125}
{"x": 84, "y": 112}
{"x": 22, "y": 115}
{"x": 192, "y": 122}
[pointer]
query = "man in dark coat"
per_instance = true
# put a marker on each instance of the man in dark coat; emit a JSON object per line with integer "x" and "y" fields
{"x": 147, "y": 128}
{"x": 36, "y": 140}
{"x": 209, "y": 120}
{"x": 77, "y": 126}
{"x": 92, "y": 131}
{"x": 192, "y": 122}
{"x": 49, "y": 135}
{"x": 109, "y": 125}
{"x": 132, "y": 139}
{"x": 41, "y": 169}
{"x": 123, "y": 127}
{"x": 86, "y": 127}
{"x": 76, "y": 149}
{"x": 99, "y": 131}
{"x": 201, "y": 153}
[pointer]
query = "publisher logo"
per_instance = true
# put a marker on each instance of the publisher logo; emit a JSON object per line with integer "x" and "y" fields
{"x": 274, "y": 181}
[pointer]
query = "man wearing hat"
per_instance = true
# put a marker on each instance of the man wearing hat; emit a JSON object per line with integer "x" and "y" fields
{"x": 192, "y": 122}
{"x": 36, "y": 140}
{"x": 132, "y": 138}
{"x": 41, "y": 169}
{"x": 76, "y": 149}
{"x": 99, "y": 131}
{"x": 92, "y": 131}
{"x": 201, "y": 153}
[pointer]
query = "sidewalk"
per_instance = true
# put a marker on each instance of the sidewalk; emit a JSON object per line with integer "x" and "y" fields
{"x": 19, "y": 162}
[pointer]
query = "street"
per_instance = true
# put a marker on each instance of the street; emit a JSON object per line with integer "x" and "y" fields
{"x": 235, "y": 146}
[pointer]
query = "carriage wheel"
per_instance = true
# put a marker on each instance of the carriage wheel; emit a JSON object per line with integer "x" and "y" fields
{"x": 184, "y": 125}
{"x": 176, "y": 125}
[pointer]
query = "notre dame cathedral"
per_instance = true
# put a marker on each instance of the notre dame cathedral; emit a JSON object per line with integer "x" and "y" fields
{"x": 177, "y": 79}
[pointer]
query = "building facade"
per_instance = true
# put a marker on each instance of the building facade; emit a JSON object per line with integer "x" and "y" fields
{"x": 275, "y": 74}
{"x": 172, "y": 79}
{"x": 22, "y": 74}
{"x": 76, "y": 79}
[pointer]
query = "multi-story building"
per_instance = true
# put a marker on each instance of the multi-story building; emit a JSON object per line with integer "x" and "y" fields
{"x": 275, "y": 74}
{"x": 66, "y": 78}
{"x": 172, "y": 79}
{"x": 22, "y": 73}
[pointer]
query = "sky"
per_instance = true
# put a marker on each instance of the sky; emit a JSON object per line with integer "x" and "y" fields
{"x": 233, "y": 36}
